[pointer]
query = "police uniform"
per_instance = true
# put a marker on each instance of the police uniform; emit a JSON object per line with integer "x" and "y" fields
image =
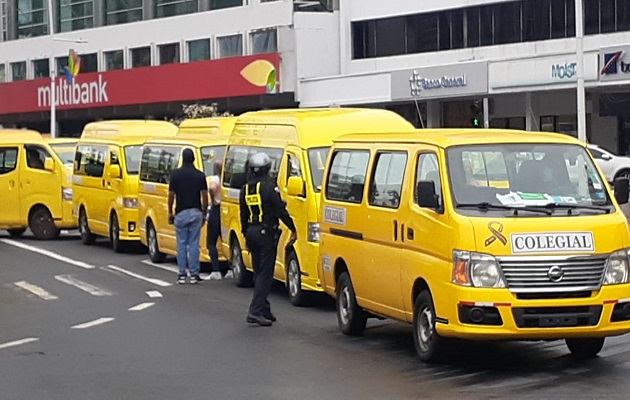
{"x": 260, "y": 208}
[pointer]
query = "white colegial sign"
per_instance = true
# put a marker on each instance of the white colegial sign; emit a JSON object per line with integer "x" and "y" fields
{"x": 552, "y": 242}
{"x": 335, "y": 215}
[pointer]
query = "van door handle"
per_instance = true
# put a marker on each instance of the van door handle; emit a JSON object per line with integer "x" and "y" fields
{"x": 410, "y": 233}
{"x": 103, "y": 183}
{"x": 395, "y": 231}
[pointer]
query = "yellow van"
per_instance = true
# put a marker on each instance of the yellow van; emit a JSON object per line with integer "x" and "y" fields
{"x": 159, "y": 158}
{"x": 207, "y": 126}
{"x": 534, "y": 248}
{"x": 105, "y": 178}
{"x": 37, "y": 184}
{"x": 297, "y": 141}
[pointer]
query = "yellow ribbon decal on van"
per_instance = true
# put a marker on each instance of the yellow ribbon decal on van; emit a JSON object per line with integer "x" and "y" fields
{"x": 496, "y": 228}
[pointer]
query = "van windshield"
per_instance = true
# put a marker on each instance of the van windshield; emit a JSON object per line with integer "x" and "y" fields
{"x": 518, "y": 175}
{"x": 317, "y": 162}
{"x": 133, "y": 154}
{"x": 65, "y": 151}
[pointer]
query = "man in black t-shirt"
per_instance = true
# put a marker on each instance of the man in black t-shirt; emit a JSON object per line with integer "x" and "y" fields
{"x": 188, "y": 189}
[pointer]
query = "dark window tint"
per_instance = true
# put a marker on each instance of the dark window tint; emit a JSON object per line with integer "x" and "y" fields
{"x": 218, "y": 4}
{"x": 387, "y": 179}
{"x": 8, "y": 159}
{"x": 485, "y": 25}
{"x": 427, "y": 169}
{"x": 472, "y": 27}
{"x": 607, "y": 15}
{"x": 169, "y": 53}
{"x": 235, "y": 168}
{"x": 558, "y": 19}
{"x": 536, "y": 22}
{"x": 158, "y": 162}
{"x": 346, "y": 179}
{"x": 36, "y": 156}
{"x": 390, "y": 36}
{"x": 507, "y": 23}
{"x": 90, "y": 160}
{"x": 422, "y": 33}
{"x": 89, "y": 62}
{"x": 140, "y": 57}
{"x": 591, "y": 17}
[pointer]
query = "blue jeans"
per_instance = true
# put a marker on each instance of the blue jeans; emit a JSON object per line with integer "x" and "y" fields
{"x": 188, "y": 225}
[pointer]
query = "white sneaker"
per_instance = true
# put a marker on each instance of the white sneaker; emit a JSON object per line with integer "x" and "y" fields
{"x": 229, "y": 275}
{"x": 215, "y": 276}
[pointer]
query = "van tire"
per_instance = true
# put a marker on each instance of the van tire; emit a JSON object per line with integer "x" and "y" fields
{"x": 114, "y": 234}
{"x": 585, "y": 348}
{"x": 242, "y": 277}
{"x": 294, "y": 281}
{"x": 42, "y": 224}
{"x": 429, "y": 345}
{"x": 16, "y": 232}
{"x": 87, "y": 237}
{"x": 155, "y": 254}
{"x": 350, "y": 317}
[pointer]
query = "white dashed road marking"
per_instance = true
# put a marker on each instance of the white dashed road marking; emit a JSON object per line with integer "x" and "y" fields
{"x": 156, "y": 282}
{"x": 17, "y": 343}
{"x": 86, "y": 287}
{"x": 142, "y": 306}
{"x": 36, "y": 290}
{"x": 96, "y": 322}
{"x": 47, "y": 253}
{"x": 168, "y": 268}
{"x": 153, "y": 294}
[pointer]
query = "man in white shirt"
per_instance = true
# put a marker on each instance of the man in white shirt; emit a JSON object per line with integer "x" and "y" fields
{"x": 214, "y": 221}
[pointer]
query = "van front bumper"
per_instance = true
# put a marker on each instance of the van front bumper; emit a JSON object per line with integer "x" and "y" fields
{"x": 498, "y": 314}
{"x": 128, "y": 219}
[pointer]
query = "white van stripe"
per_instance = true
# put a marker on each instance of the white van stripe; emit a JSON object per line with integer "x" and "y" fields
{"x": 36, "y": 290}
{"x": 141, "y": 306}
{"x": 156, "y": 282}
{"x": 96, "y": 322}
{"x": 48, "y": 253}
{"x": 86, "y": 287}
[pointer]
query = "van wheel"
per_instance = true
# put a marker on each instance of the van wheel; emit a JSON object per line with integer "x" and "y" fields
{"x": 350, "y": 317}
{"x": 429, "y": 345}
{"x": 294, "y": 281}
{"x": 17, "y": 232}
{"x": 242, "y": 277}
{"x": 585, "y": 348}
{"x": 87, "y": 237}
{"x": 154, "y": 249}
{"x": 42, "y": 224}
{"x": 114, "y": 234}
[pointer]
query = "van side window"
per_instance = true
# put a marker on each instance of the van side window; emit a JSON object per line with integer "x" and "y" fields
{"x": 8, "y": 159}
{"x": 209, "y": 156}
{"x": 235, "y": 168}
{"x": 36, "y": 156}
{"x": 157, "y": 163}
{"x": 294, "y": 168}
{"x": 387, "y": 179}
{"x": 346, "y": 178}
{"x": 90, "y": 160}
{"x": 428, "y": 169}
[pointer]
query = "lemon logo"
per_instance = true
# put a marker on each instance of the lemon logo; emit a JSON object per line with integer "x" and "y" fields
{"x": 261, "y": 73}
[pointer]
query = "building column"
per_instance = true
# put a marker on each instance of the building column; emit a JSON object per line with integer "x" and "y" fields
{"x": 148, "y": 6}
{"x": 99, "y": 11}
{"x": 434, "y": 114}
{"x": 532, "y": 112}
{"x": 11, "y": 20}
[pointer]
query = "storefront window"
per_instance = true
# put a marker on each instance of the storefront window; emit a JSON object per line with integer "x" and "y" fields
{"x": 40, "y": 68}
{"x": 32, "y": 18}
{"x": 141, "y": 57}
{"x": 169, "y": 53}
{"x": 230, "y": 46}
{"x": 114, "y": 60}
{"x": 264, "y": 41}
{"x": 89, "y": 63}
{"x": 169, "y": 8}
{"x": 2, "y": 74}
{"x": 199, "y": 50}
{"x": 123, "y": 11}
{"x": 75, "y": 15}
{"x": 18, "y": 71}
{"x": 218, "y": 4}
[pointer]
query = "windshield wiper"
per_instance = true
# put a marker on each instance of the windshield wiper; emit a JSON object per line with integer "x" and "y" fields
{"x": 485, "y": 206}
{"x": 570, "y": 207}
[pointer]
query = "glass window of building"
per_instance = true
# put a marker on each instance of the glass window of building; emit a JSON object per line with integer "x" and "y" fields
{"x": 61, "y": 63}
{"x": 89, "y": 63}
{"x": 32, "y": 18}
{"x": 3, "y": 20}
{"x": 169, "y": 8}
{"x": 230, "y": 46}
{"x": 422, "y": 33}
{"x": 122, "y": 11}
{"x": 507, "y": 23}
{"x": 388, "y": 41}
{"x": 218, "y": 4}
{"x": 169, "y": 53}
{"x": 114, "y": 60}
{"x": 41, "y": 68}
{"x": 265, "y": 41}
{"x": 199, "y": 50}
{"x": 18, "y": 71}
{"x": 75, "y": 15}
{"x": 3, "y": 77}
{"x": 141, "y": 57}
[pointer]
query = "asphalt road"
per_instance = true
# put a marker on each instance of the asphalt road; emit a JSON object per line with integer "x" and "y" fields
{"x": 83, "y": 323}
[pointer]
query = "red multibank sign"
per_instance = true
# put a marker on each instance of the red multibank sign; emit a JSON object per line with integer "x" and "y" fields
{"x": 229, "y": 77}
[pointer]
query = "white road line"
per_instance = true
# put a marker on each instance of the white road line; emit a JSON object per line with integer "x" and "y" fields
{"x": 168, "y": 268}
{"x": 157, "y": 282}
{"x": 142, "y": 306}
{"x": 47, "y": 253}
{"x": 36, "y": 290}
{"x": 96, "y": 322}
{"x": 18, "y": 343}
{"x": 153, "y": 294}
{"x": 86, "y": 287}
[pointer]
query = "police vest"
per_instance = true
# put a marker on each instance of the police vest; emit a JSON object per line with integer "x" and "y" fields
{"x": 254, "y": 204}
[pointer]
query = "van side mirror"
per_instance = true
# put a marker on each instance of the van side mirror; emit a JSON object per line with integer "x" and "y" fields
{"x": 114, "y": 172}
{"x": 622, "y": 190}
{"x": 427, "y": 197}
{"x": 295, "y": 186}
{"x": 606, "y": 157}
{"x": 49, "y": 164}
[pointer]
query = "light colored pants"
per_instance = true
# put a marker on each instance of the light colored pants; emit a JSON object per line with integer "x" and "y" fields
{"x": 188, "y": 225}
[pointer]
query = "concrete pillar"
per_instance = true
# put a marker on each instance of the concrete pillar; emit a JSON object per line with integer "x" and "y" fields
{"x": 434, "y": 114}
{"x": 11, "y": 20}
{"x": 99, "y": 12}
{"x": 532, "y": 112}
{"x": 148, "y": 7}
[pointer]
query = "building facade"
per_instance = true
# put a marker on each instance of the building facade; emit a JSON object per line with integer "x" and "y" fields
{"x": 434, "y": 61}
{"x": 146, "y": 58}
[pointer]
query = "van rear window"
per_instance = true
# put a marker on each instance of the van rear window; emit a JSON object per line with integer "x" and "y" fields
{"x": 346, "y": 178}
{"x": 158, "y": 162}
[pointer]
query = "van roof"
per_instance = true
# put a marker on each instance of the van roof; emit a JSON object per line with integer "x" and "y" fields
{"x": 122, "y": 129}
{"x": 210, "y": 125}
{"x": 453, "y": 137}
{"x": 196, "y": 140}
{"x": 325, "y": 124}
{"x": 69, "y": 141}
{"x": 17, "y": 135}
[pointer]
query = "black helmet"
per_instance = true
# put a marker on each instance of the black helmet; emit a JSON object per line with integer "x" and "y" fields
{"x": 260, "y": 163}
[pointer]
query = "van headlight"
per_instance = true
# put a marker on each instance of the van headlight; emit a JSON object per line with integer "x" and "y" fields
{"x": 130, "y": 202}
{"x": 617, "y": 268}
{"x": 66, "y": 194}
{"x": 477, "y": 270}
{"x": 313, "y": 232}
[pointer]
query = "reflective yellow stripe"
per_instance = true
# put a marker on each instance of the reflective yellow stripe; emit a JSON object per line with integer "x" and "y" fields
{"x": 260, "y": 202}
{"x": 254, "y": 200}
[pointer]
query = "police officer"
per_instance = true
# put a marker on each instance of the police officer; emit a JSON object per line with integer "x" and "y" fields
{"x": 261, "y": 206}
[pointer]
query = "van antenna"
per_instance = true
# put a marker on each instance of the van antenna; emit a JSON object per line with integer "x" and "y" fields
{"x": 419, "y": 113}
